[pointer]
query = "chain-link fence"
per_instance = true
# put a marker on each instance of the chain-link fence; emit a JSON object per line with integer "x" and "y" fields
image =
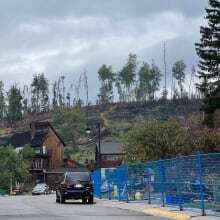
{"x": 186, "y": 182}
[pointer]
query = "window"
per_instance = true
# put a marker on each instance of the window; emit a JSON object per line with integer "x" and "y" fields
{"x": 110, "y": 157}
{"x": 37, "y": 150}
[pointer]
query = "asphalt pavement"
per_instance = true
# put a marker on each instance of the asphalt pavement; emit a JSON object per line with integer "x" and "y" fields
{"x": 45, "y": 208}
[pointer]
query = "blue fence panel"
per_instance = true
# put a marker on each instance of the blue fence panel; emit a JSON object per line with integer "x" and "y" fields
{"x": 122, "y": 183}
{"x": 211, "y": 181}
{"x": 96, "y": 177}
{"x": 186, "y": 182}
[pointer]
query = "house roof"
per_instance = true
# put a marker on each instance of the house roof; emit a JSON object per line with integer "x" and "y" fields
{"x": 19, "y": 139}
{"x": 111, "y": 148}
{"x": 42, "y": 125}
{"x": 22, "y": 138}
{"x": 4, "y": 140}
{"x": 39, "y": 138}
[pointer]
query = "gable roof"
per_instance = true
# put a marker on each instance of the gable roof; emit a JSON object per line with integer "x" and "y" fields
{"x": 35, "y": 137}
{"x": 111, "y": 148}
{"x": 4, "y": 140}
{"x": 42, "y": 125}
{"x": 22, "y": 138}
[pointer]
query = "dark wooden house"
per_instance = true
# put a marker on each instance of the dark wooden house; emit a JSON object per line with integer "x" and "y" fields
{"x": 47, "y": 144}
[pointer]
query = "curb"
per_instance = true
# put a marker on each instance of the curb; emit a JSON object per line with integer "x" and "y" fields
{"x": 159, "y": 212}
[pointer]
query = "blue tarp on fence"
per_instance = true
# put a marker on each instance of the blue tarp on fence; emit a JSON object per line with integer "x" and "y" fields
{"x": 188, "y": 181}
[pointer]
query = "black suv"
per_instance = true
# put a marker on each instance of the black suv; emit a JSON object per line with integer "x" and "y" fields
{"x": 75, "y": 185}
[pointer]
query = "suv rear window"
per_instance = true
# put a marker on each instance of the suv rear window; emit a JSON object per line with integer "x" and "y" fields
{"x": 77, "y": 176}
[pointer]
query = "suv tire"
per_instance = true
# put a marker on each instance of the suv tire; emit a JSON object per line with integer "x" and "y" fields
{"x": 60, "y": 198}
{"x": 91, "y": 200}
{"x": 84, "y": 200}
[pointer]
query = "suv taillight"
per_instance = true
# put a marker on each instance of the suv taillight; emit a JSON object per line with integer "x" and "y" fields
{"x": 65, "y": 184}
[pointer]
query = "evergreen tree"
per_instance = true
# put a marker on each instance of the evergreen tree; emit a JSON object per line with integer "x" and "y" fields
{"x": 106, "y": 77}
{"x": 68, "y": 97}
{"x": 14, "y": 110}
{"x": 127, "y": 76}
{"x": 25, "y": 98}
{"x": 40, "y": 93}
{"x": 55, "y": 98}
{"x": 2, "y": 101}
{"x": 178, "y": 71}
{"x": 63, "y": 91}
{"x": 144, "y": 89}
{"x": 209, "y": 52}
{"x": 155, "y": 79}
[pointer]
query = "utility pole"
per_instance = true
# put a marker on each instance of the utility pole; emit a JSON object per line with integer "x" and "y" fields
{"x": 165, "y": 70}
{"x": 99, "y": 145}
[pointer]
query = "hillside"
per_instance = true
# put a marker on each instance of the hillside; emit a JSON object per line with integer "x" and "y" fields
{"x": 120, "y": 116}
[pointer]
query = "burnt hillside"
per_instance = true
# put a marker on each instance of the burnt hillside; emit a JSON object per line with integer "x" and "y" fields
{"x": 122, "y": 115}
{"x": 160, "y": 110}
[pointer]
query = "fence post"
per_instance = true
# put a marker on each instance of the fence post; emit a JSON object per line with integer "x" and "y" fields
{"x": 201, "y": 184}
{"x": 162, "y": 181}
{"x": 178, "y": 182}
{"x": 109, "y": 192}
{"x": 100, "y": 183}
{"x": 118, "y": 174}
{"x": 148, "y": 186}
{"x": 126, "y": 184}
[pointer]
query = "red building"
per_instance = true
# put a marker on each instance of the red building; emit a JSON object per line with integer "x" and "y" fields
{"x": 111, "y": 154}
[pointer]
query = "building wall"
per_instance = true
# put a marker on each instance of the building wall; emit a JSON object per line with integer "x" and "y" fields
{"x": 55, "y": 148}
{"x": 111, "y": 160}
{"x": 216, "y": 118}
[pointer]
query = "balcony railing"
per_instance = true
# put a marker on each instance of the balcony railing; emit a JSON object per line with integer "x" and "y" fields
{"x": 39, "y": 164}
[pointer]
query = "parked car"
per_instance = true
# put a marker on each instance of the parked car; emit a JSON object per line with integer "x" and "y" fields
{"x": 17, "y": 191}
{"x": 40, "y": 189}
{"x": 75, "y": 185}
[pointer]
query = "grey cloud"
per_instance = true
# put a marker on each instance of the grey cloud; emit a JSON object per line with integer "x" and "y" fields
{"x": 118, "y": 8}
{"x": 68, "y": 36}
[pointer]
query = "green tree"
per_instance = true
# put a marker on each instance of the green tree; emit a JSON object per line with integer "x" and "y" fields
{"x": 149, "y": 81}
{"x": 155, "y": 79}
{"x": 208, "y": 51}
{"x": 153, "y": 140}
{"x": 144, "y": 89}
{"x": 14, "y": 108}
{"x": 55, "y": 95}
{"x": 71, "y": 123}
{"x": 126, "y": 77}
{"x": 27, "y": 153}
{"x": 106, "y": 77}
{"x": 178, "y": 72}
{"x": 25, "y": 99}
{"x": 200, "y": 138}
{"x": 40, "y": 93}
{"x": 12, "y": 168}
{"x": 2, "y": 101}
{"x": 68, "y": 99}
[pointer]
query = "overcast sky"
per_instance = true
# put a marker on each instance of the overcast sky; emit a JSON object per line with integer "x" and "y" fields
{"x": 65, "y": 37}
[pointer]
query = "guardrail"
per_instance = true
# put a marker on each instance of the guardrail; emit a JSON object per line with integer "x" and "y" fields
{"x": 186, "y": 182}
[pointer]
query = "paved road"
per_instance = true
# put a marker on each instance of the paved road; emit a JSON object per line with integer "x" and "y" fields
{"x": 45, "y": 208}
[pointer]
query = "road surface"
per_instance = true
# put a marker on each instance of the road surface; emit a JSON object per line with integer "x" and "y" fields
{"x": 45, "y": 208}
